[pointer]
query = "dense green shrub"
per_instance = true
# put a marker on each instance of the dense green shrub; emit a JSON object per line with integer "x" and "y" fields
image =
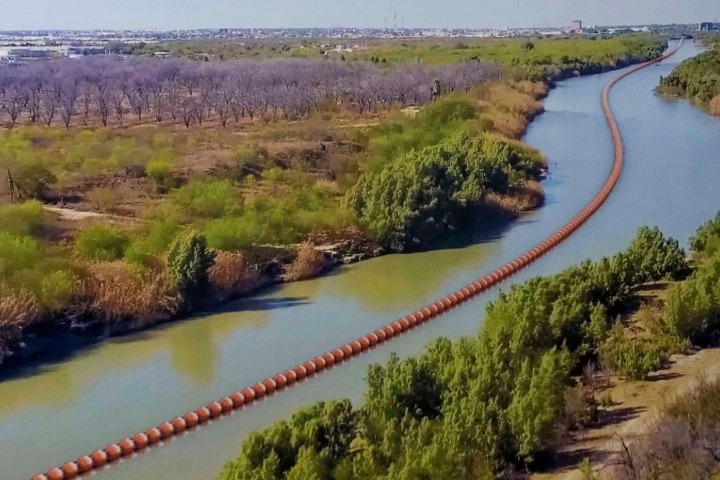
{"x": 188, "y": 263}
{"x": 17, "y": 253}
{"x": 409, "y": 202}
{"x": 208, "y": 198}
{"x": 101, "y": 243}
{"x": 23, "y": 218}
{"x": 697, "y": 77}
{"x": 633, "y": 357}
{"x": 57, "y": 289}
{"x": 706, "y": 236}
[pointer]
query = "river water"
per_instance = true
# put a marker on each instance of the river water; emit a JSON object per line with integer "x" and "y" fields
{"x": 54, "y": 412}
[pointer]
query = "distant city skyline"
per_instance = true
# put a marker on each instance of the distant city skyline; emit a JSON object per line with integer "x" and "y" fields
{"x": 192, "y": 14}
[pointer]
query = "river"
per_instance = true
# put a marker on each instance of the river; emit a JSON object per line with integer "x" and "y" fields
{"x": 54, "y": 412}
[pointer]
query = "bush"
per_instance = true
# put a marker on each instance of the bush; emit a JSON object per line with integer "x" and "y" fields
{"x": 116, "y": 293}
{"x": 208, "y": 198}
{"x": 189, "y": 261}
{"x": 22, "y": 218}
{"x": 18, "y": 309}
{"x": 105, "y": 199}
{"x": 308, "y": 263}
{"x": 17, "y": 253}
{"x": 57, "y": 289}
{"x": 410, "y": 202}
{"x": 633, "y": 357}
{"x": 34, "y": 180}
{"x": 101, "y": 243}
{"x": 231, "y": 274}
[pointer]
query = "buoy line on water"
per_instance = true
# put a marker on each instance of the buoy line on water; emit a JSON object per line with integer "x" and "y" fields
{"x": 180, "y": 425}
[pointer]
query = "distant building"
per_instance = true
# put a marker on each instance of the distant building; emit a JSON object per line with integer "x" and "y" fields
{"x": 707, "y": 26}
{"x": 577, "y": 25}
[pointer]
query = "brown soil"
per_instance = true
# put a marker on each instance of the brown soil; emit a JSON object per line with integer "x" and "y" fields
{"x": 635, "y": 406}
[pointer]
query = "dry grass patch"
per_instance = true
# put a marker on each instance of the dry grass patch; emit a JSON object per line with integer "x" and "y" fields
{"x": 715, "y": 105}
{"x": 115, "y": 292}
{"x": 232, "y": 274}
{"x": 308, "y": 263}
{"x": 17, "y": 310}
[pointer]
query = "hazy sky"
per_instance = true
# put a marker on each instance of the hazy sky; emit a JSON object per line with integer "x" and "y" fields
{"x": 182, "y": 14}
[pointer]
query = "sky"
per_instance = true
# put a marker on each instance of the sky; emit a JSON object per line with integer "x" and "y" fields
{"x": 188, "y": 14}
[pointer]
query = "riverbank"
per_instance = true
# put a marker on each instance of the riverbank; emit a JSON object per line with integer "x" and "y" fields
{"x": 695, "y": 80}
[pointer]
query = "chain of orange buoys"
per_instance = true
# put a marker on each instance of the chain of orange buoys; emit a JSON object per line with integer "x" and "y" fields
{"x": 190, "y": 420}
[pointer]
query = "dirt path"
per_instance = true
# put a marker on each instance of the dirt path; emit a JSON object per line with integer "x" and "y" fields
{"x": 636, "y": 405}
{"x": 79, "y": 215}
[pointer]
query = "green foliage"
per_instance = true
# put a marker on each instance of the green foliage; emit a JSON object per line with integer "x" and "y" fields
{"x": 697, "y": 77}
{"x": 188, "y": 263}
{"x": 477, "y": 407}
{"x": 160, "y": 171}
{"x": 57, "y": 289}
{"x": 33, "y": 179}
{"x": 409, "y": 202}
{"x": 17, "y": 253}
{"x": 101, "y": 243}
{"x": 23, "y": 218}
{"x": 276, "y": 219}
{"x": 208, "y": 198}
{"x": 536, "y": 59}
{"x": 656, "y": 256}
{"x": 631, "y": 356}
{"x": 155, "y": 241}
{"x": 705, "y": 238}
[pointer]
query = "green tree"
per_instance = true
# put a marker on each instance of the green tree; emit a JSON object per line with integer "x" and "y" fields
{"x": 189, "y": 260}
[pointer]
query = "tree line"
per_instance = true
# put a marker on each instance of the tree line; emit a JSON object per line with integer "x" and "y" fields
{"x": 110, "y": 88}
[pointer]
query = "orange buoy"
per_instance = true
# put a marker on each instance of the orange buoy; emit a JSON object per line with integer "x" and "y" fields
{"x": 260, "y": 391}
{"x": 446, "y": 303}
{"x": 280, "y": 381}
{"x": 85, "y": 464}
{"x": 70, "y": 470}
{"x": 404, "y": 324}
{"x": 347, "y": 351}
{"x": 166, "y": 430}
{"x": 249, "y": 395}
{"x": 99, "y": 458}
{"x": 338, "y": 355}
{"x": 238, "y": 400}
{"x": 203, "y": 414}
{"x": 39, "y": 477}
{"x": 270, "y": 386}
{"x": 154, "y": 435}
{"x": 215, "y": 409}
{"x": 389, "y": 332}
{"x": 310, "y": 368}
{"x": 329, "y": 359}
{"x": 291, "y": 376}
{"x": 373, "y": 339}
{"x": 355, "y": 347}
{"x": 140, "y": 440}
{"x": 191, "y": 420}
{"x": 114, "y": 452}
{"x": 300, "y": 371}
{"x": 55, "y": 474}
{"x": 320, "y": 364}
{"x": 364, "y": 343}
{"x": 380, "y": 333}
{"x": 127, "y": 447}
{"x": 178, "y": 424}
{"x": 226, "y": 404}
